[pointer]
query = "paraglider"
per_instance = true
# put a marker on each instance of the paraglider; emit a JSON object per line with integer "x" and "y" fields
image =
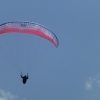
{"x": 24, "y": 78}
{"x": 29, "y": 28}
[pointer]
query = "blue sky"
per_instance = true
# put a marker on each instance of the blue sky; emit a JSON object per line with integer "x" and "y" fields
{"x": 71, "y": 71}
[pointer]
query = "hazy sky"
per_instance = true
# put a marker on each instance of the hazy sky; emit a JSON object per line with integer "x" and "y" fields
{"x": 69, "y": 72}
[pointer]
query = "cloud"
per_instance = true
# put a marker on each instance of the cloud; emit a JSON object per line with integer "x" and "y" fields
{"x": 93, "y": 82}
{"x": 4, "y": 95}
{"x": 92, "y": 86}
{"x": 88, "y": 85}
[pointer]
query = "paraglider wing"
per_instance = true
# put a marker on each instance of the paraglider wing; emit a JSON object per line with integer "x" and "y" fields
{"x": 29, "y": 28}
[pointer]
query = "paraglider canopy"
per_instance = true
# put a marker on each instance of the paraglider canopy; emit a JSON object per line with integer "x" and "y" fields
{"x": 29, "y": 28}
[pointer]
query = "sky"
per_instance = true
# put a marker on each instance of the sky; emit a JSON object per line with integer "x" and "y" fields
{"x": 69, "y": 72}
